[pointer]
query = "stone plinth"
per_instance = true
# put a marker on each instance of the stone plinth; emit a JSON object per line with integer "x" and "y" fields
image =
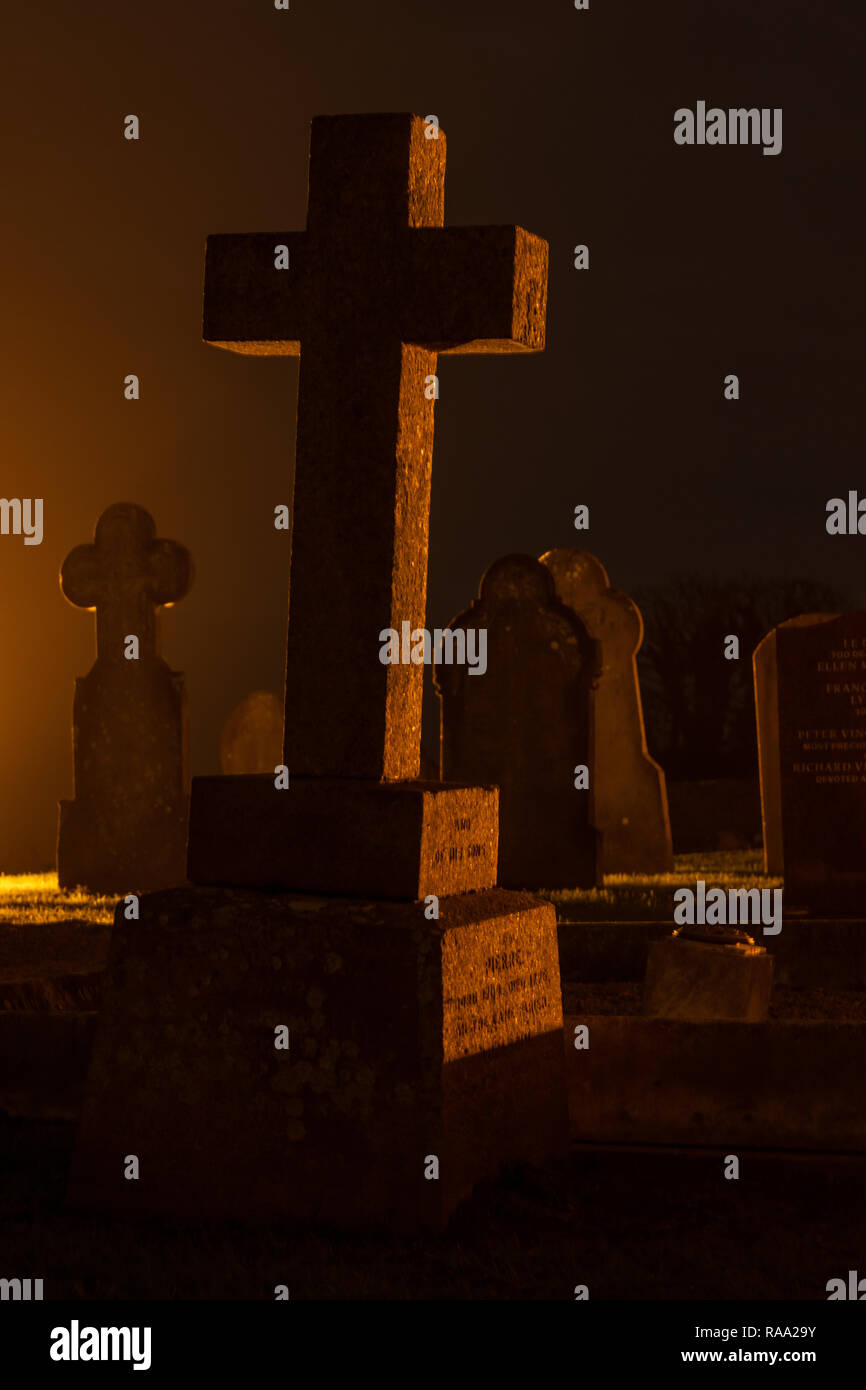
{"x": 699, "y": 981}
{"x": 400, "y": 840}
{"x": 409, "y": 1040}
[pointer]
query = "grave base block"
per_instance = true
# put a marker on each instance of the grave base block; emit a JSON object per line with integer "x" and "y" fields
{"x": 783, "y": 1084}
{"x": 700, "y": 982}
{"x": 412, "y": 1044}
{"x": 400, "y": 840}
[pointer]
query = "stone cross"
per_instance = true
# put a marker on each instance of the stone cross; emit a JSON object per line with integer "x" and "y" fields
{"x": 126, "y": 574}
{"x": 126, "y": 829}
{"x": 374, "y": 289}
{"x": 468, "y": 1063}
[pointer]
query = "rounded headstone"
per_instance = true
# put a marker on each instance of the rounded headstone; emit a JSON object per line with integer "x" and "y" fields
{"x": 252, "y": 736}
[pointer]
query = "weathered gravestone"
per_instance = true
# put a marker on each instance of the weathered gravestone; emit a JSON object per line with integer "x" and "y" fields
{"x": 525, "y": 724}
{"x": 126, "y": 829}
{"x": 354, "y": 1060}
{"x": 628, "y": 793}
{"x": 810, "y": 699}
{"x": 252, "y": 737}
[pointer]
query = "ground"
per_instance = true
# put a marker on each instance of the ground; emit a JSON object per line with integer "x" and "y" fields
{"x": 630, "y": 1223}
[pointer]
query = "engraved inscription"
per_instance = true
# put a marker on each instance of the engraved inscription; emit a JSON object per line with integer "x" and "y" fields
{"x": 836, "y": 755}
{"x": 513, "y": 992}
{"x": 456, "y": 854}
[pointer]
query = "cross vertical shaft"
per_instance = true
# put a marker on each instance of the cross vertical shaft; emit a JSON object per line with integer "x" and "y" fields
{"x": 359, "y": 559}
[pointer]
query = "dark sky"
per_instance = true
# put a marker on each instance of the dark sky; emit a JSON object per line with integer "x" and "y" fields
{"x": 703, "y": 262}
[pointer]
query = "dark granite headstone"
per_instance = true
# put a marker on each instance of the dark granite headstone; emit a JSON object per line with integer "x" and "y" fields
{"x": 767, "y": 719}
{"x": 525, "y": 724}
{"x": 810, "y": 697}
{"x": 629, "y": 797}
{"x": 424, "y": 1043}
{"x": 126, "y": 829}
{"x": 252, "y": 737}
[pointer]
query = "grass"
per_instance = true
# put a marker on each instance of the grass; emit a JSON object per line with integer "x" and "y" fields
{"x": 36, "y": 900}
{"x": 649, "y": 897}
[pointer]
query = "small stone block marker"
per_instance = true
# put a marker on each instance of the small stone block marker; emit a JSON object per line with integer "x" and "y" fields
{"x": 708, "y": 973}
{"x": 126, "y": 829}
{"x": 628, "y": 792}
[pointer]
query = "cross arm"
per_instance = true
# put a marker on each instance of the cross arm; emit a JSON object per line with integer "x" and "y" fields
{"x": 81, "y": 577}
{"x": 477, "y": 289}
{"x": 169, "y": 572}
{"x": 250, "y": 306}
